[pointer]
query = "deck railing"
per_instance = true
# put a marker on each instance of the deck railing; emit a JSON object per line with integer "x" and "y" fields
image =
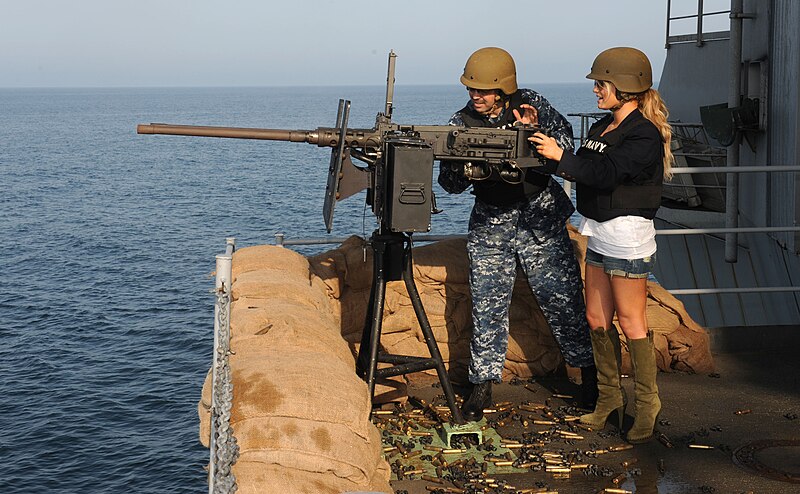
{"x": 700, "y": 36}
{"x": 686, "y": 130}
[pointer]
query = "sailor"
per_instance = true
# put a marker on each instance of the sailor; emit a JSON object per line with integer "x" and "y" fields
{"x": 619, "y": 171}
{"x": 516, "y": 223}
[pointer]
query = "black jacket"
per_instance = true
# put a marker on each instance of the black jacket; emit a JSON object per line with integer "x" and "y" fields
{"x": 620, "y": 173}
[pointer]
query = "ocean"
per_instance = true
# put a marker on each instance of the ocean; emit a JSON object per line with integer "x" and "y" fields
{"x": 109, "y": 238}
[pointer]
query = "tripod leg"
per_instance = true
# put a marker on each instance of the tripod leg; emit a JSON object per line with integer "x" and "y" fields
{"x": 433, "y": 348}
{"x": 362, "y": 361}
{"x": 371, "y": 337}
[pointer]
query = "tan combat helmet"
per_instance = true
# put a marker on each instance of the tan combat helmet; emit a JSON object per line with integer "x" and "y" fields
{"x": 627, "y": 68}
{"x": 491, "y": 68}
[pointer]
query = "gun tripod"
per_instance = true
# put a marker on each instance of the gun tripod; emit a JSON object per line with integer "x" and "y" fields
{"x": 391, "y": 262}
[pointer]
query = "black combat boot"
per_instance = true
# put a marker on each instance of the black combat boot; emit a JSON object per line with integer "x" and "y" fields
{"x": 480, "y": 398}
{"x": 589, "y": 392}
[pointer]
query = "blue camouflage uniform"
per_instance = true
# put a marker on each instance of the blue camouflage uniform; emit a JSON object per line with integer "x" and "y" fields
{"x": 509, "y": 225}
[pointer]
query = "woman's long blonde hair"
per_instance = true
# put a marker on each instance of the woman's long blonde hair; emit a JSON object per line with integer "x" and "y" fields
{"x": 653, "y": 108}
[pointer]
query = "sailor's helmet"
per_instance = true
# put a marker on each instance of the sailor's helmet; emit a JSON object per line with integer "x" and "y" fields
{"x": 627, "y": 68}
{"x": 491, "y": 68}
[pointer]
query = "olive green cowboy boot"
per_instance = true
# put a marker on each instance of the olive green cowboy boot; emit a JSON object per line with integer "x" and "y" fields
{"x": 608, "y": 359}
{"x": 648, "y": 405}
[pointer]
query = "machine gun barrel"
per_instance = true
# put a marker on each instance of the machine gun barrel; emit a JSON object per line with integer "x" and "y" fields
{"x": 321, "y": 137}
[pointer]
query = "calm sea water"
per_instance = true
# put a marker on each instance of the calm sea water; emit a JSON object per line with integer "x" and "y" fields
{"x": 108, "y": 241}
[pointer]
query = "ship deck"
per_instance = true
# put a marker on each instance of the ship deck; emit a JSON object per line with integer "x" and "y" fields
{"x": 742, "y": 421}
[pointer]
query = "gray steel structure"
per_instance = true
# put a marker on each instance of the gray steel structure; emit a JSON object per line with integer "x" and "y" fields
{"x": 701, "y": 69}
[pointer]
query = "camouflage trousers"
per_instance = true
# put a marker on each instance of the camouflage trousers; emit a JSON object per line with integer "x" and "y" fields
{"x": 533, "y": 234}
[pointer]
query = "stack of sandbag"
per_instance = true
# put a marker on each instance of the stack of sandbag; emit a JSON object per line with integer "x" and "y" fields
{"x": 441, "y": 272}
{"x": 300, "y": 413}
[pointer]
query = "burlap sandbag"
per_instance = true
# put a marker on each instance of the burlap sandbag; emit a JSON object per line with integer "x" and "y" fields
{"x": 306, "y": 411}
{"x": 351, "y": 262}
{"x": 260, "y": 257}
{"x": 309, "y": 445}
{"x": 274, "y": 284}
{"x": 204, "y": 411}
{"x": 321, "y": 341}
{"x": 255, "y": 477}
{"x": 442, "y": 262}
{"x": 256, "y": 316}
{"x": 300, "y": 384}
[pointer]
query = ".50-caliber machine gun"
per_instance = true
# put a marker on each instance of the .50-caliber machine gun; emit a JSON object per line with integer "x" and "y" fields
{"x": 398, "y": 177}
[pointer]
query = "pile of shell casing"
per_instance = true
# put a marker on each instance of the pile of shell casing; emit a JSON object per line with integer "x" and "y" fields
{"x": 547, "y": 439}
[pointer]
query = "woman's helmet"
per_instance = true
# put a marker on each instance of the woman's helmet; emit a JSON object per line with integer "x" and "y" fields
{"x": 491, "y": 68}
{"x": 627, "y": 68}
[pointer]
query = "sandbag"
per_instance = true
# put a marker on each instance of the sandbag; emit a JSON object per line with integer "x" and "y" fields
{"x": 260, "y": 257}
{"x": 256, "y": 477}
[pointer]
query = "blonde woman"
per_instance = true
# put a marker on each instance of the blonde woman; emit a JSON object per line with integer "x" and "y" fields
{"x": 619, "y": 172}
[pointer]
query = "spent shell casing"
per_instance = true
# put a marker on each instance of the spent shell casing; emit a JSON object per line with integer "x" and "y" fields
{"x": 742, "y": 412}
{"x": 453, "y": 451}
{"x": 432, "y": 448}
{"x": 627, "y": 463}
{"x": 620, "y": 447}
{"x": 701, "y": 446}
{"x": 663, "y": 439}
{"x": 383, "y": 412}
{"x": 579, "y": 466}
{"x": 428, "y": 478}
{"x": 661, "y": 468}
{"x": 544, "y": 422}
{"x": 504, "y": 463}
{"x": 612, "y": 490}
{"x": 554, "y": 469}
{"x": 558, "y": 395}
{"x": 619, "y": 479}
{"x": 412, "y": 454}
{"x": 449, "y": 490}
{"x": 415, "y": 472}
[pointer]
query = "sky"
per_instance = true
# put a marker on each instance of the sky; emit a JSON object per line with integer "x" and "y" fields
{"x": 168, "y": 43}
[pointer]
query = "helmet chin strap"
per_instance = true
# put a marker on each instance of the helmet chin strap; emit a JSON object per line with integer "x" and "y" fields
{"x": 499, "y": 102}
{"x": 623, "y": 98}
